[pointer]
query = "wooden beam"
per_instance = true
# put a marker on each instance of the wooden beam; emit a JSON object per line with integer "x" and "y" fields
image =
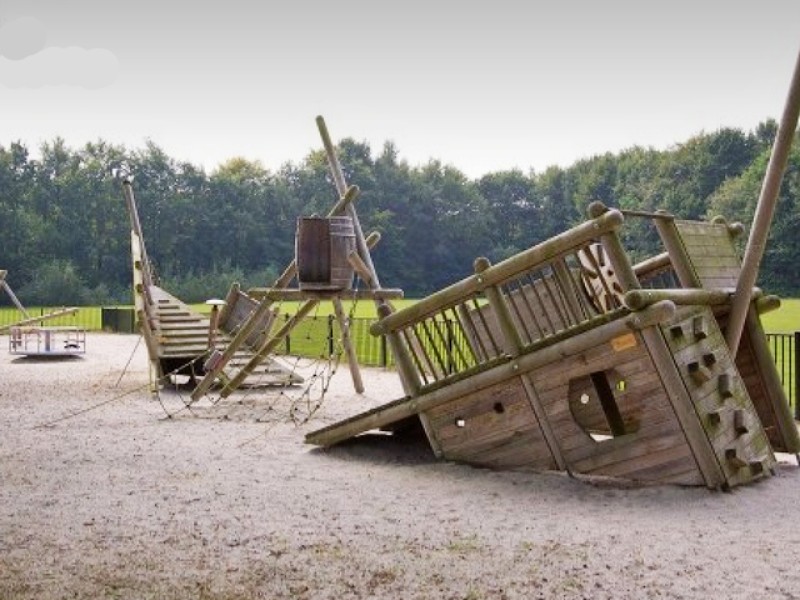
{"x": 682, "y": 406}
{"x": 4, "y": 285}
{"x": 59, "y": 313}
{"x": 294, "y": 295}
{"x": 352, "y": 357}
{"x": 266, "y": 349}
{"x": 767, "y": 200}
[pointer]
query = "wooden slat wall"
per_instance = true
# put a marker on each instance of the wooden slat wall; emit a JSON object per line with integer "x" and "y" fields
{"x": 711, "y": 252}
{"x": 240, "y": 307}
{"x": 656, "y": 452}
{"x": 716, "y": 262}
{"x": 494, "y": 428}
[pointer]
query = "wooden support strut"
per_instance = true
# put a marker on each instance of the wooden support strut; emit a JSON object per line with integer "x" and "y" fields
{"x": 347, "y": 198}
{"x": 513, "y": 345}
{"x": 374, "y": 284}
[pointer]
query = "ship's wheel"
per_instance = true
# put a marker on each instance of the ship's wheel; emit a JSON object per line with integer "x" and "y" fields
{"x": 599, "y": 279}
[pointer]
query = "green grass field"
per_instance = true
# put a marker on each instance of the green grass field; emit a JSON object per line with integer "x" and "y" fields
{"x": 784, "y": 320}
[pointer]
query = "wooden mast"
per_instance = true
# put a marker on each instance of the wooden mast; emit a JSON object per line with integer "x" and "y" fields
{"x": 765, "y": 209}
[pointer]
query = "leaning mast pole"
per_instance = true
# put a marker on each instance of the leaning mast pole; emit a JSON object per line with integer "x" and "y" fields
{"x": 768, "y": 198}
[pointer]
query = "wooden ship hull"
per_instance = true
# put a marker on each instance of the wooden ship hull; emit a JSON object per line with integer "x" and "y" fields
{"x": 564, "y": 357}
{"x": 180, "y": 341}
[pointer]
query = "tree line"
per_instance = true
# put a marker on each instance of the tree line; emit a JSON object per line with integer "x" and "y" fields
{"x": 65, "y": 230}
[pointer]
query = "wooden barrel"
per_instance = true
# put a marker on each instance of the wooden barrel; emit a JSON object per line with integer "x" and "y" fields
{"x": 322, "y": 246}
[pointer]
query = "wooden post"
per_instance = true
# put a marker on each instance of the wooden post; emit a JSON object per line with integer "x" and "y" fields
{"x": 363, "y": 261}
{"x": 512, "y": 343}
{"x": 213, "y": 321}
{"x": 352, "y": 357}
{"x": 405, "y": 364}
{"x": 677, "y": 252}
{"x": 765, "y": 209}
{"x": 136, "y": 227}
{"x": 341, "y": 186}
{"x": 796, "y": 358}
{"x": 4, "y": 285}
{"x": 348, "y": 197}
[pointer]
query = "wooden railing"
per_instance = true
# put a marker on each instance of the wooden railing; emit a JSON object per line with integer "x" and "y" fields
{"x": 533, "y": 299}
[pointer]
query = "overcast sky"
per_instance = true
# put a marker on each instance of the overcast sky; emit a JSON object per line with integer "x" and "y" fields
{"x": 484, "y": 86}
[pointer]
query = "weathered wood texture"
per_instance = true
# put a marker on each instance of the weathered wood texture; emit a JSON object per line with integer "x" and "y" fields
{"x": 653, "y": 448}
{"x": 239, "y": 308}
{"x": 322, "y": 248}
{"x": 718, "y": 392}
{"x": 713, "y": 258}
{"x": 495, "y": 427}
{"x": 181, "y": 343}
{"x": 711, "y": 253}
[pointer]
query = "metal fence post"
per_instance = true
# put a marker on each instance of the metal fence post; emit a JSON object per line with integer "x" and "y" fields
{"x": 330, "y": 335}
{"x": 288, "y": 340}
{"x": 796, "y": 364}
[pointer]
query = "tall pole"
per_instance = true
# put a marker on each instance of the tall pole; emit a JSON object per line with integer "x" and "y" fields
{"x": 765, "y": 209}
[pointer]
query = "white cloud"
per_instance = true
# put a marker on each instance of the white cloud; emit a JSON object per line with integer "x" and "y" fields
{"x": 21, "y": 38}
{"x": 73, "y": 66}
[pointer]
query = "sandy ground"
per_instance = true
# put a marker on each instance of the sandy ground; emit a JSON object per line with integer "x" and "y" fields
{"x": 226, "y": 501}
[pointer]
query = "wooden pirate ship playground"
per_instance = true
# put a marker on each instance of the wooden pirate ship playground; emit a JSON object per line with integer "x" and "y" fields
{"x": 571, "y": 357}
{"x": 179, "y": 340}
{"x": 568, "y": 356}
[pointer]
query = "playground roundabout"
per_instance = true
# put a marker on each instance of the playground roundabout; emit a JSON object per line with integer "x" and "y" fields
{"x": 108, "y": 491}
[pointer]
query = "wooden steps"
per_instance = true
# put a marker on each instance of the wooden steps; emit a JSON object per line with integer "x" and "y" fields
{"x": 181, "y": 340}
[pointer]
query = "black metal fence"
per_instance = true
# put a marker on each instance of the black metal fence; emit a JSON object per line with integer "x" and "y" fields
{"x": 784, "y": 351}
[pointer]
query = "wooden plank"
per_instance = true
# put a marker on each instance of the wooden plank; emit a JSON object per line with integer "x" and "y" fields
{"x": 583, "y": 448}
{"x": 639, "y": 458}
{"x": 716, "y": 412}
{"x": 681, "y": 470}
{"x": 487, "y": 427}
{"x": 524, "y": 449}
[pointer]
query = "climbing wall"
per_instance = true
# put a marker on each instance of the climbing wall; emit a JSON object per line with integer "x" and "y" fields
{"x": 719, "y": 395}
{"x": 714, "y": 263}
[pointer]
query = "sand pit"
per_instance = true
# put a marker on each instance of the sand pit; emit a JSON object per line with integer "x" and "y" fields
{"x": 226, "y": 501}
